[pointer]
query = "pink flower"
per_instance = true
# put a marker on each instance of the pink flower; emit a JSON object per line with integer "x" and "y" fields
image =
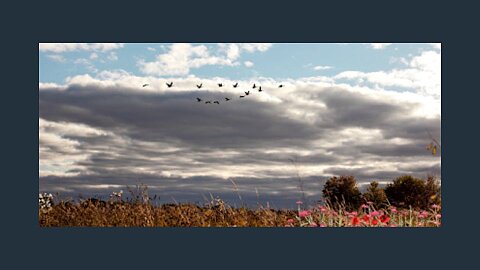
{"x": 299, "y": 202}
{"x": 354, "y": 213}
{"x": 393, "y": 209}
{"x": 434, "y": 206}
{"x": 323, "y": 209}
{"x": 374, "y": 213}
{"x": 304, "y": 213}
{"x": 323, "y": 225}
{"x": 364, "y": 206}
{"x": 290, "y": 220}
{"x": 438, "y": 215}
{"x": 313, "y": 224}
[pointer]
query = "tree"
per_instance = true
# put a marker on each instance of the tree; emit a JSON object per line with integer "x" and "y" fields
{"x": 342, "y": 190}
{"x": 376, "y": 195}
{"x": 406, "y": 191}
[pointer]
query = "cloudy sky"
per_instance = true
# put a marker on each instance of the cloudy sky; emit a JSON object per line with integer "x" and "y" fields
{"x": 362, "y": 109}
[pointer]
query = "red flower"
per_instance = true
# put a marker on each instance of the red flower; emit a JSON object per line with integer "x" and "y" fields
{"x": 374, "y": 221}
{"x": 366, "y": 218}
{"x": 384, "y": 219}
{"x": 355, "y": 221}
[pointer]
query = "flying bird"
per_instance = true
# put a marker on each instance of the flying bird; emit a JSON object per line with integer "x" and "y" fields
{"x": 145, "y": 85}
{"x": 208, "y": 102}
{"x": 220, "y": 84}
{"x": 247, "y": 93}
{"x": 170, "y": 85}
{"x": 260, "y": 89}
{"x": 199, "y": 86}
{"x": 227, "y": 99}
{"x": 242, "y": 96}
{"x": 198, "y": 99}
{"x": 254, "y": 86}
{"x": 216, "y": 102}
{"x": 235, "y": 85}
{"x": 280, "y": 86}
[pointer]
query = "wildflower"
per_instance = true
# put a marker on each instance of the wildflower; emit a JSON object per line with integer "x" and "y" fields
{"x": 364, "y": 206}
{"x": 313, "y": 224}
{"x": 393, "y": 225}
{"x": 355, "y": 221}
{"x": 393, "y": 209}
{"x": 366, "y": 218}
{"x": 323, "y": 209}
{"x": 374, "y": 221}
{"x": 304, "y": 213}
{"x": 384, "y": 218}
{"x": 434, "y": 206}
{"x": 290, "y": 220}
{"x": 374, "y": 213}
{"x": 299, "y": 202}
{"x": 438, "y": 215}
{"x": 323, "y": 225}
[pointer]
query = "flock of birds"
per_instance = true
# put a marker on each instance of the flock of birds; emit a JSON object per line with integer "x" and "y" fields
{"x": 199, "y": 86}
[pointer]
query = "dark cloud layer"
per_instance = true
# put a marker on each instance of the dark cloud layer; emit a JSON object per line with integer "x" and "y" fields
{"x": 170, "y": 131}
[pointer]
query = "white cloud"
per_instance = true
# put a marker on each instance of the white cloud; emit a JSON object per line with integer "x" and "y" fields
{"x": 151, "y": 49}
{"x": 380, "y": 46}
{"x": 70, "y": 47}
{"x": 112, "y": 56}
{"x": 87, "y": 63}
{"x": 422, "y": 74}
{"x": 182, "y": 57}
{"x": 322, "y": 67}
{"x": 93, "y": 56}
{"x": 57, "y": 58}
{"x": 248, "y": 63}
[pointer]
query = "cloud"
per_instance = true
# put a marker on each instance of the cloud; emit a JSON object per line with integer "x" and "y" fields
{"x": 248, "y": 63}
{"x": 182, "y": 57}
{"x": 322, "y": 67}
{"x": 423, "y": 75}
{"x": 57, "y": 58}
{"x": 70, "y": 47}
{"x": 112, "y": 56}
{"x": 93, "y": 56}
{"x": 380, "y": 46}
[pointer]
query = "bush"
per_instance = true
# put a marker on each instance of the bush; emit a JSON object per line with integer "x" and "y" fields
{"x": 408, "y": 191}
{"x": 375, "y": 195}
{"x": 342, "y": 190}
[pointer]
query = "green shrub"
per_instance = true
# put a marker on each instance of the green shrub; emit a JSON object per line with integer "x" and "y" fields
{"x": 376, "y": 195}
{"x": 342, "y": 190}
{"x": 407, "y": 191}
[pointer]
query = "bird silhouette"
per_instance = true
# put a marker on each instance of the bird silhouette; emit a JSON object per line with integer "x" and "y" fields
{"x": 220, "y": 84}
{"x": 199, "y": 86}
{"x": 242, "y": 96}
{"x": 254, "y": 86}
{"x": 227, "y": 99}
{"x": 235, "y": 85}
{"x": 247, "y": 93}
{"x": 208, "y": 102}
{"x": 145, "y": 85}
{"x": 260, "y": 89}
{"x": 170, "y": 85}
{"x": 280, "y": 86}
{"x": 216, "y": 102}
{"x": 198, "y": 99}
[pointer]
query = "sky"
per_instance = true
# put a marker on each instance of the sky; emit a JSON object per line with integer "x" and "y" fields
{"x": 361, "y": 109}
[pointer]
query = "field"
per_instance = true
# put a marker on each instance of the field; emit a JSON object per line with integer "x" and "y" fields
{"x": 144, "y": 213}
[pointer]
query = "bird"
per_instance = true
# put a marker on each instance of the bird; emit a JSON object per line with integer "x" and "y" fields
{"x": 145, "y": 85}
{"x": 254, "y": 86}
{"x": 227, "y": 99}
{"x": 280, "y": 86}
{"x": 170, "y": 85}
{"x": 247, "y": 93}
{"x": 216, "y": 102}
{"x": 242, "y": 96}
{"x": 235, "y": 85}
{"x": 220, "y": 84}
{"x": 199, "y": 86}
{"x": 208, "y": 102}
{"x": 198, "y": 99}
{"x": 260, "y": 89}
